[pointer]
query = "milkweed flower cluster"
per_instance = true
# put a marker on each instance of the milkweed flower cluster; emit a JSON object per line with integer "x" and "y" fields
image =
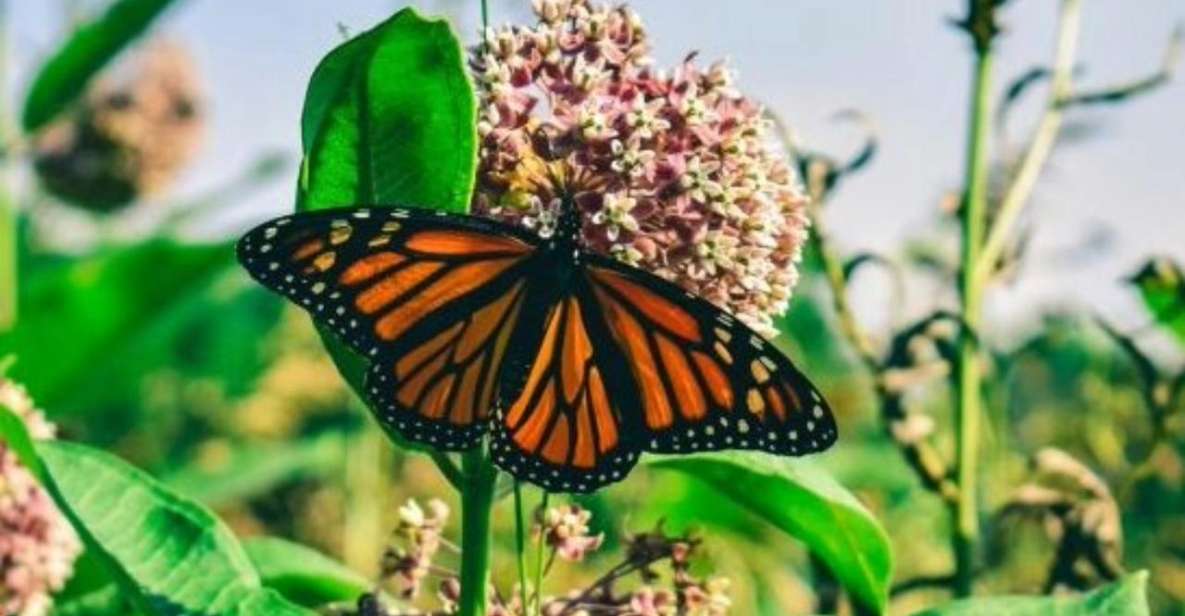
{"x": 673, "y": 171}
{"x": 421, "y": 533}
{"x": 37, "y": 544}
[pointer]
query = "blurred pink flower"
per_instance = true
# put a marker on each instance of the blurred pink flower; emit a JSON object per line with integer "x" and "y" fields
{"x": 707, "y": 599}
{"x": 651, "y": 602}
{"x": 37, "y": 544}
{"x": 421, "y": 531}
{"x": 674, "y": 171}
{"x": 566, "y": 530}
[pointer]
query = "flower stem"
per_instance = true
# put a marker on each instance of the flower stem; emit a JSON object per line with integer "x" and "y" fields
{"x": 520, "y": 540}
{"x": 477, "y": 503}
{"x": 980, "y": 24}
{"x": 539, "y": 559}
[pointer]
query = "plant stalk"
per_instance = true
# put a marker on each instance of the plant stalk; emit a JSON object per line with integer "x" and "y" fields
{"x": 9, "y": 226}
{"x": 367, "y": 492}
{"x": 520, "y": 543}
{"x": 969, "y": 380}
{"x": 477, "y": 505}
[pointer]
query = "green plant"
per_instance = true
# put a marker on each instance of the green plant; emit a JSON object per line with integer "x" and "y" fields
{"x": 951, "y": 344}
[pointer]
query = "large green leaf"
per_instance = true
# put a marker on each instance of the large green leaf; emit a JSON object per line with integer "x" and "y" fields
{"x": 82, "y": 318}
{"x": 1126, "y": 597}
{"x": 65, "y": 75}
{"x": 803, "y": 501}
{"x": 1162, "y": 286}
{"x": 169, "y": 555}
{"x": 389, "y": 118}
{"x": 304, "y": 575}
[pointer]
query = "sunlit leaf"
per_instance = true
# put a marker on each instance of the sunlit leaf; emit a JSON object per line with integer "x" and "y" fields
{"x": 65, "y": 75}
{"x": 1162, "y": 285}
{"x": 304, "y": 575}
{"x": 803, "y": 501}
{"x": 389, "y": 118}
{"x": 1126, "y": 597}
{"x": 169, "y": 555}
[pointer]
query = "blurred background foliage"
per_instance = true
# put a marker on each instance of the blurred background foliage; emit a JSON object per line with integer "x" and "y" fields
{"x": 155, "y": 347}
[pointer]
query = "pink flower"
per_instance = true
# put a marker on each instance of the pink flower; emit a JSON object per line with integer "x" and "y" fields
{"x": 407, "y": 565}
{"x": 566, "y": 530}
{"x": 707, "y": 599}
{"x": 651, "y": 602}
{"x": 37, "y": 544}
{"x": 674, "y": 173}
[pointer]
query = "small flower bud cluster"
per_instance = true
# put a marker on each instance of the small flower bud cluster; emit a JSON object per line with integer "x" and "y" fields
{"x": 37, "y": 544}
{"x": 689, "y": 595}
{"x": 673, "y": 171}
{"x": 420, "y": 535}
{"x": 565, "y": 529}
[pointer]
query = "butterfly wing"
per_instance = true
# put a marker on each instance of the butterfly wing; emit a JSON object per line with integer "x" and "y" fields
{"x": 562, "y": 426}
{"x": 705, "y": 380}
{"x": 430, "y": 299}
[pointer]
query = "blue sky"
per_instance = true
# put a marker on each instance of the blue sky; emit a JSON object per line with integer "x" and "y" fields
{"x": 896, "y": 60}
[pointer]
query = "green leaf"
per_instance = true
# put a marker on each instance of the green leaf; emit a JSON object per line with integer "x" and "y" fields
{"x": 65, "y": 75}
{"x": 91, "y": 312}
{"x": 803, "y": 501}
{"x": 304, "y": 575}
{"x": 1162, "y": 286}
{"x": 169, "y": 555}
{"x": 389, "y": 118}
{"x": 1126, "y": 597}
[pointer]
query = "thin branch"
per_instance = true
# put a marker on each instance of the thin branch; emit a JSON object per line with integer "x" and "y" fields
{"x": 1041, "y": 145}
{"x": 1062, "y": 97}
{"x": 1121, "y": 92}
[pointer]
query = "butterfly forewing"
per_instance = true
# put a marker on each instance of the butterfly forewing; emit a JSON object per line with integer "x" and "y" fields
{"x": 705, "y": 380}
{"x": 430, "y": 300}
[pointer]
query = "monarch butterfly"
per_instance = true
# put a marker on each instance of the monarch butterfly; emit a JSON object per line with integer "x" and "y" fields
{"x": 573, "y": 362}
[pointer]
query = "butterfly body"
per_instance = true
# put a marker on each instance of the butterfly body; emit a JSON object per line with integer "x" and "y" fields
{"x": 571, "y": 362}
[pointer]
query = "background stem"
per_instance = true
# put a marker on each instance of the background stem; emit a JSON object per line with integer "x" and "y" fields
{"x": 968, "y": 383}
{"x": 8, "y": 210}
{"x": 477, "y": 503}
{"x": 367, "y": 490}
{"x": 520, "y": 544}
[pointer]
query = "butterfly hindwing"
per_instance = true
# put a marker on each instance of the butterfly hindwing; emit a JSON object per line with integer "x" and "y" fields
{"x": 564, "y": 428}
{"x": 706, "y": 381}
{"x": 430, "y": 300}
